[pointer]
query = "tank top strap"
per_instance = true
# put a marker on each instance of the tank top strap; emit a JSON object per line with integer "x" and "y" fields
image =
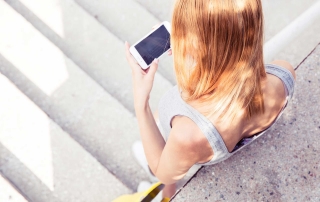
{"x": 284, "y": 75}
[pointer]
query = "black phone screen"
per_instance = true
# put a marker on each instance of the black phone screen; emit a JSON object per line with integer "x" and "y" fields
{"x": 154, "y": 45}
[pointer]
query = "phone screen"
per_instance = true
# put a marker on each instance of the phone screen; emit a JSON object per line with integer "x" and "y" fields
{"x": 154, "y": 45}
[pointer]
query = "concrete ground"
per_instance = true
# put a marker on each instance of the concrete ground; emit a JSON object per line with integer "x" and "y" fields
{"x": 282, "y": 165}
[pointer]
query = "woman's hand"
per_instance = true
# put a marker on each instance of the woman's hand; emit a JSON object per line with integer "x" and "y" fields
{"x": 142, "y": 79}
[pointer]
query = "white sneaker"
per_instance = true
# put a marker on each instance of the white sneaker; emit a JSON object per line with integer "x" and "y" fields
{"x": 140, "y": 156}
{"x": 144, "y": 185}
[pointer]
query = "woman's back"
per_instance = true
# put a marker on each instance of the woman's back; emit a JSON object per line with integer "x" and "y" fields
{"x": 274, "y": 96}
{"x": 225, "y": 137}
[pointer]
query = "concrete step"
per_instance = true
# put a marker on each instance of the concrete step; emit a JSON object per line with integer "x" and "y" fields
{"x": 297, "y": 39}
{"x": 9, "y": 192}
{"x": 129, "y": 21}
{"x": 297, "y": 50}
{"x": 161, "y": 9}
{"x": 69, "y": 96}
{"x": 42, "y": 160}
{"x": 280, "y": 13}
{"x": 90, "y": 45}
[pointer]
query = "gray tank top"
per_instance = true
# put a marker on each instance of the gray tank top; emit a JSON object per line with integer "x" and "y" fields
{"x": 171, "y": 104}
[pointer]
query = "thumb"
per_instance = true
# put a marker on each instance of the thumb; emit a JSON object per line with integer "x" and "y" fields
{"x": 153, "y": 67}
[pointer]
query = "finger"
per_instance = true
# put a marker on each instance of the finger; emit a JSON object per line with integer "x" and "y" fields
{"x": 129, "y": 57}
{"x": 155, "y": 26}
{"x": 127, "y": 49}
{"x": 170, "y": 52}
{"x": 153, "y": 67}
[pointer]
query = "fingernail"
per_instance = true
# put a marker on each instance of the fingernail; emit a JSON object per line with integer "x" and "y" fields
{"x": 156, "y": 61}
{"x": 125, "y": 42}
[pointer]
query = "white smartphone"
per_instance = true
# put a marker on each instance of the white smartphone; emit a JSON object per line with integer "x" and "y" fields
{"x": 152, "y": 46}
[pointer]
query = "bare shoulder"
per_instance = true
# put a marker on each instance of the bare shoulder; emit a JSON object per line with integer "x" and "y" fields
{"x": 286, "y": 65}
{"x": 182, "y": 150}
{"x": 186, "y": 131}
{"x": 187, "y": 135}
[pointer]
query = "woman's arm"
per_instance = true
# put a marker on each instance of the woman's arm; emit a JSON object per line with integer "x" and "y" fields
{"x": 152, "y": 140}
{"x": 151, "y": 137}
{"x": 168, "y": 161}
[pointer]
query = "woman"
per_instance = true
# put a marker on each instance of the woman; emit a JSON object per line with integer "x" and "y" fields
{"x": 225, "y": 96}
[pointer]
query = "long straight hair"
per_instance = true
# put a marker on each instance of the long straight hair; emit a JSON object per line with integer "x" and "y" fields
{"x": 218, "y": 55}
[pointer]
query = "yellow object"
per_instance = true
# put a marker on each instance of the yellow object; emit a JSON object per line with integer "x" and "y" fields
{"x": 165, "y": 199}
{"x": 145, "y": 196}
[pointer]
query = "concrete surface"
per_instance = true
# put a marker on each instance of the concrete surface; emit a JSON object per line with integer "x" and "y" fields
{"x": 73, "y": 100}
{"x": 43, "y": 161}
{"x": 280, "y": 13}
{"x": 161, "y": 9}
{"x": 131, "y": 24}
{"x": 90, "y": 45}
{"x": 283, "y": 165}
{"x": 295, "y": 32}
{"x": 297, "y": 50}
{"x": 9, "y": 193}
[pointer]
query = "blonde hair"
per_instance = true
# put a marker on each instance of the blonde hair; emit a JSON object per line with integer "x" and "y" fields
{"x": 218, "y": 54}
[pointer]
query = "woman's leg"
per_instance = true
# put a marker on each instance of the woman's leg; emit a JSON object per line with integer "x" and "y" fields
{"x": 169, "y": 190}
